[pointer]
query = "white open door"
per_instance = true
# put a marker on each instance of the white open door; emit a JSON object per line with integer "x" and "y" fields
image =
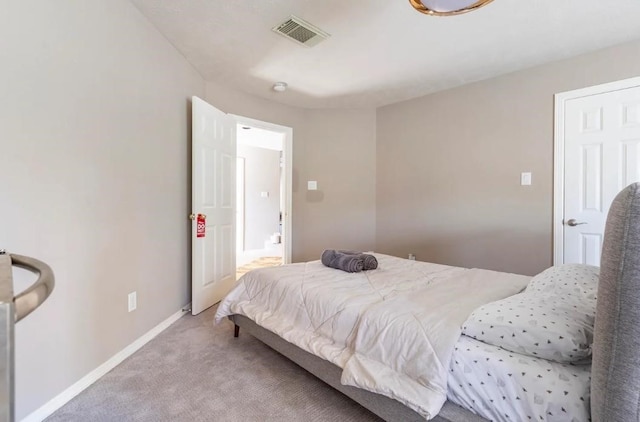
{"x": 601, "y": 134}
{"x": 213, "y": 200}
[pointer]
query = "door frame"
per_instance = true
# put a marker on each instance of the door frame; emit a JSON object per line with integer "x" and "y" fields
{"x": 287, "y": 153}
{"x": 560, "y": 100}
{"x": 240, "y": 202}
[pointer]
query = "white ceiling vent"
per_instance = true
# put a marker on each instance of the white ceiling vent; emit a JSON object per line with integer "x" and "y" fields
{"x": 301, "y": 31}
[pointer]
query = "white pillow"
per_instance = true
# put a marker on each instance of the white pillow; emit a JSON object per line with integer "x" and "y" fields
{"x": 552, "y": 319}
{"x": 578, "y": 280}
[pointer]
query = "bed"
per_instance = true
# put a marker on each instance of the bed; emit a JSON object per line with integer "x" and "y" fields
{"x": 391, "y": 338}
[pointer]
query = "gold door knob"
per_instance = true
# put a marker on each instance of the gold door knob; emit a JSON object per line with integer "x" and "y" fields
{"x": 194, "y": 216}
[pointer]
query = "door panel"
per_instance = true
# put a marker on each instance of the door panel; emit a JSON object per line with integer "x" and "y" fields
{"x": 602, "y": 156}
{"x": 630, "y": 162}
{"x": 591, "y": 167}
{"x": 213, "y": 195}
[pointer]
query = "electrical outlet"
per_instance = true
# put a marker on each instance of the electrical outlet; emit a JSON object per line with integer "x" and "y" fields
{"x": 412, "y": 257}
{"x": 132, "y": 301}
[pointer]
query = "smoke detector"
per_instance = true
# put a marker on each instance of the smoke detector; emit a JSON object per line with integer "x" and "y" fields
{"x": 301, "y": 31}
{"x": 280, "y": 86}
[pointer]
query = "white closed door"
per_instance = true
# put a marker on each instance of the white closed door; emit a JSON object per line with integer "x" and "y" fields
{"x": 601, "y": 157}
{"x": 213, "y": 200}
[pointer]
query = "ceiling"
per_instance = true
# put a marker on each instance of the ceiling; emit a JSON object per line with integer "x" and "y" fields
{"x": 381, "y": 51}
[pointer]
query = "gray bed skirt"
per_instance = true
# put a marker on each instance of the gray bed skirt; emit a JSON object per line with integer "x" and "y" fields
{"x": 388, "y": 409}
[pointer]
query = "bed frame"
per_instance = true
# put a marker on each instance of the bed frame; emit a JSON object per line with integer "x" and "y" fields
{"x": 615, "y": 383}
{"x": 388, "y": 409}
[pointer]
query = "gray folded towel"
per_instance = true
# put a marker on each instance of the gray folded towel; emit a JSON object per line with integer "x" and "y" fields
{"x": 370, "y": 261}
{"x": 351, "y": 262}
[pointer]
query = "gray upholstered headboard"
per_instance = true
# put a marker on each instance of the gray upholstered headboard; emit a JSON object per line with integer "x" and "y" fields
{"x": 615, "y": 383}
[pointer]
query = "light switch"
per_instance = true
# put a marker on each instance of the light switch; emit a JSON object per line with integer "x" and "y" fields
{"x": 264, "y": 194}
{"x": 525, "y": 179}
{"x": 312, "y": 185}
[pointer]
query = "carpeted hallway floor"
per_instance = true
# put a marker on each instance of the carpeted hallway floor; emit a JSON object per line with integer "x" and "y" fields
{"x": 195, "y": 371}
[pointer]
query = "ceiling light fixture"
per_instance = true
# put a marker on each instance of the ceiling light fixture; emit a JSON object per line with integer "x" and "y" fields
{"x": 280, "y": 86}
{"x": 447, "y": 7}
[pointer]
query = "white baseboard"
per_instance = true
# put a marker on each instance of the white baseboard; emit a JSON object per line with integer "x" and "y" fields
{"x": 61, "y": 399}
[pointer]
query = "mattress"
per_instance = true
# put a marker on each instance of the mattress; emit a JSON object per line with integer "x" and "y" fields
{"x": 392, "y": 330}
{"x": 319, "y": 308}
{"x": 504, "y": 386}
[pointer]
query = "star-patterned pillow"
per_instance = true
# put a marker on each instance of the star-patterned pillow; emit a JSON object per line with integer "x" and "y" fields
{"x": 552, "y": 319}
{"x": 577, "y": 280}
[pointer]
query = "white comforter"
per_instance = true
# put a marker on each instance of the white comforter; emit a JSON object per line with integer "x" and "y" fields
{"x": 392, "y": 329}
{"x": 318, "y": 308}
{"x": 404, "y": 345}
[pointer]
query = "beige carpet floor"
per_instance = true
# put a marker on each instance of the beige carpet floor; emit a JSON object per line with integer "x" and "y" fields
{"x": 195, "y": 371}
{"x": 266, "y": 261}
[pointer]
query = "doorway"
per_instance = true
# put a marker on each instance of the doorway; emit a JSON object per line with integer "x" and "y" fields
{"x": 263, "y": 195}
{"x": 213, "y": 200}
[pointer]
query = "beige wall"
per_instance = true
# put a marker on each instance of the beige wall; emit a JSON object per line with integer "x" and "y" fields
{"x": 94, "y": 135}
{"x": 261, "y": 174}
{"x": 448, "y": 165}
{"x": 335, "y": 148}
